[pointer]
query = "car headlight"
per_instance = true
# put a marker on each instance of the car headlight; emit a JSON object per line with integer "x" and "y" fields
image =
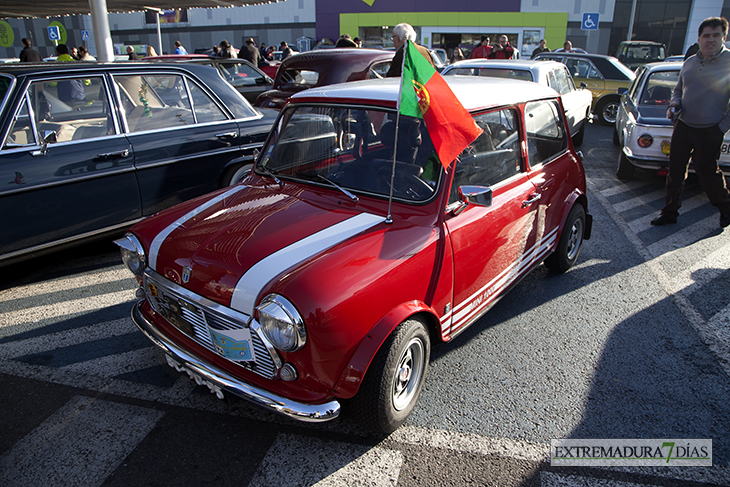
{"x": 282, "y": 323}
{"x": 133, "y": 254}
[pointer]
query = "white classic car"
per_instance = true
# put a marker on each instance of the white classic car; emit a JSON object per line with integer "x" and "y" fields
{"x": 642, "y": 128}
{"x": 576, "y": 102}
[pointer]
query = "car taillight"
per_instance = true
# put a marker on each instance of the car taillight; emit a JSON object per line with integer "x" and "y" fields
{"x": 645, "y": 140}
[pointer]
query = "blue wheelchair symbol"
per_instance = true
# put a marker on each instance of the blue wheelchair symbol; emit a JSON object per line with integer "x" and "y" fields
{"x": 54, "y": 34}
{"x": 590, "y": 21}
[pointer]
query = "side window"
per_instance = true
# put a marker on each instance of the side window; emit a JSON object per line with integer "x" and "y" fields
{"x": 546, "y": 135}
{"x": 379, "y": 70}
{"x": 74, "y": 108}
{"x": 638, "y": 81}
{"x": 580, "y": 68}
{"x": 238, "y": 74}
{"x": 560, "y": 81}
{"x": 206, "y": 110}
{"x": 154, "y": 102}
{"x": 494, "y": 156}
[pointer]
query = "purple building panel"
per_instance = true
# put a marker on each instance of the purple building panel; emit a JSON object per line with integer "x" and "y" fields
{"x": 328, "y": 11}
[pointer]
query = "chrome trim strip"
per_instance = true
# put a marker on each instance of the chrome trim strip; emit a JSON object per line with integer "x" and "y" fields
{"x": 312, "y": 413}
{"x": 140, "y": 166}
{"x": 160, "y": 238}
{"x": 71, "y": 180}
{"x": 70, "y": 239}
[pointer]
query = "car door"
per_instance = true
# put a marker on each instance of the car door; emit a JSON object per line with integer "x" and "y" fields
{"x": 81, "y": 181}
{"x": 182, "y": 137}
{"x": 552, "y": 168}
{"x": 575, "y": 107}
{"x": 491, "y": 244}
{"x": 583, "y": 71}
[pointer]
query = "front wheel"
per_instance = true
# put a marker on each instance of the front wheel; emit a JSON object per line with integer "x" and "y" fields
{"x": 607, "y": 110}
{"x": 570, "y": 242}
{"x": 394, "y": 380}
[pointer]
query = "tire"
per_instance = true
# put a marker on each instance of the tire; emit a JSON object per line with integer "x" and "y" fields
{"x": 624, "y": 170}
{"x": 394, "y": 379}
{"x": 579, "y": 135}
{"x": 235, "y": 174}
{"x": 607, "y": 110}
{"x": 570, "y": 242}
{"x": 616, "y": 140}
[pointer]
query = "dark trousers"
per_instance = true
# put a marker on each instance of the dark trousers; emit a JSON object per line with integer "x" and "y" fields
{"x": 703, "y": 146}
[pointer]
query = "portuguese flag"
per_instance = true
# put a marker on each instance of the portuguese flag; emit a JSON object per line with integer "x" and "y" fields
{"x": 424, "y": 94}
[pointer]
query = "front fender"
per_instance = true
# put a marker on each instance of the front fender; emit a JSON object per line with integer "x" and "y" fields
{"x": 352, "y": 375}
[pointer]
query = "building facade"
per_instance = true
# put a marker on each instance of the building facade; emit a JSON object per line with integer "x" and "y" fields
{"x": 594, "y": 25}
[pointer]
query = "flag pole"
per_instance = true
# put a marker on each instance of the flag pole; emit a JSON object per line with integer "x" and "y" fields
{"x": 389, "y": 218}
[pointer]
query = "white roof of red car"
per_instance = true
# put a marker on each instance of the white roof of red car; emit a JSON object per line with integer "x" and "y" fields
{"x": 473, "y": 92}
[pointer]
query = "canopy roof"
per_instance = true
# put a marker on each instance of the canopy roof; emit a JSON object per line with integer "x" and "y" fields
{"x": 58, "y": 8}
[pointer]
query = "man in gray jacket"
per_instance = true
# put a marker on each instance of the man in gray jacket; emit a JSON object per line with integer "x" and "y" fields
{"x": 700, "y": 106}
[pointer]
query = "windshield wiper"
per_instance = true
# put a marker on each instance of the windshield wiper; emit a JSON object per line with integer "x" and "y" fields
{"x": 349, "y": 195}
{"x": 271, "y": 174}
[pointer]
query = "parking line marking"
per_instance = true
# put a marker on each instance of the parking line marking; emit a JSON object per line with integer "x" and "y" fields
{"x": 82, "y": 443}
{"x": 325, "y": 463}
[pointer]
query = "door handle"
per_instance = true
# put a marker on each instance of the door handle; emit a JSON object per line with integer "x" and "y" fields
{"x": 109, "y": 155}
{"x": 533, "y": 198}
{"x": 226, "y": 134}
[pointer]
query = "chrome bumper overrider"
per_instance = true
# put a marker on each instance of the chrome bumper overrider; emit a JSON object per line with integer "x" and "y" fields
{"x": 223, "y": 380}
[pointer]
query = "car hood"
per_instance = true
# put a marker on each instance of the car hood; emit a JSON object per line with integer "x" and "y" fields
{"x": 229, "y": 245}
{"x": 653, "y": 116}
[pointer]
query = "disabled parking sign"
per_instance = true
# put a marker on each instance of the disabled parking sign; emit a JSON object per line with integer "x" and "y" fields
{"x": 54, "y": 33}
{"x": 590, "y": 21}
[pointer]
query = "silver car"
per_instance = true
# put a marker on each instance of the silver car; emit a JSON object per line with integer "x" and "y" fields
{"x": 576, "y": 102}
{"x": 642, "y": 128}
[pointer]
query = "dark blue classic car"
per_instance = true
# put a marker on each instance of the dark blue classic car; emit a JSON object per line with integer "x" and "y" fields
{"x": 89, "y": 149}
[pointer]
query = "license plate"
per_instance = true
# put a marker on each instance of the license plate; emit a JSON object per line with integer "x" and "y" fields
{"x": 665, "y": 147}
{"x": 233, "y": 344}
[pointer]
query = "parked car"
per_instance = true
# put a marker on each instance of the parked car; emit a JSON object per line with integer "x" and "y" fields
{"x": 603, "y": 75}
{"x": 324, "y": 67}
{"x": 307, "y": 285}
{"x": 642, "y": 128}
{"x": 577, "y": 102}
{"x": 89, "y": 149}
{"x": 635, "y": 53}
{"x": 440, "y": 59}
{"x": 249, "y": 80}
{"x": 677, "y": 58}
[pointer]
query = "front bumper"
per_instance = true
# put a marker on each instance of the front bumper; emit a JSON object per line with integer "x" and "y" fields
{"x": 214, "y": 376}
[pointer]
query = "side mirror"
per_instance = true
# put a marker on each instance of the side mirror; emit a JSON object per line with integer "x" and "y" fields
{"x": 622, "y": 91}
{"x": 47, "y": 137}
{"x": 583, "y": 85}
{"x": 475, "y": 195}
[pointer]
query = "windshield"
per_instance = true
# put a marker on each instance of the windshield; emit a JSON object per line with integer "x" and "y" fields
{"x": 353, "y": 149}
{"x": 658, "y": 89}
{"x": 519, "y": 74}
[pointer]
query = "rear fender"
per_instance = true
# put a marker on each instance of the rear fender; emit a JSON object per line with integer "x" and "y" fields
{"x": 352, "y": 375}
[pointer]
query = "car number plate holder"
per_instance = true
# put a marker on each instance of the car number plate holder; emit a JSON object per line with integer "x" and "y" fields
{"x": 234, "y": 345}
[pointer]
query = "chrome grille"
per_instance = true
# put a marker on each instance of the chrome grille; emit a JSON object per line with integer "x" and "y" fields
{"x": 197, "y": 314}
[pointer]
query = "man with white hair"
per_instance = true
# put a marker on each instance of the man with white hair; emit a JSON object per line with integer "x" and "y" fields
{"x": 402, "y": 33}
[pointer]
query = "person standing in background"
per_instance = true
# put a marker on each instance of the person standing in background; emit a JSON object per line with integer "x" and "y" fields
{"x": 151, "y": 51}
{"x": 28, "y": 54}
{"x": 250, "y": 53}
{"x": 226, "y": 50}
{"x": 700, "y": 107}
{"x": 502, "y": 49}
{"x": 542, "y": 48}
{"x": 483, "y": 50}
{"x": 84, "y": 54}
{"x": 179, "y": 49}
{"x": 132, "y": 55}
{"x": 401, "y": 34}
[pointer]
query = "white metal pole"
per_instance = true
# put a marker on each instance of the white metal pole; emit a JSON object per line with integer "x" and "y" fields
{"x": 631, "y": 20}
{"x": 159, "y": 33}
{"x": 102, "y": 34}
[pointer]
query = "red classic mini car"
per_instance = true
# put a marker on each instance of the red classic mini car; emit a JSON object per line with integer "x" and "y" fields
{"x": 308, "y": 283}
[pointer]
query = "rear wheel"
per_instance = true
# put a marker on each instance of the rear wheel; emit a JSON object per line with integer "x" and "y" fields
{"x": 607, "y": 110}
{"x": 394, "y": 379}
{"x": 570, "y": 242}
{"x": 625, "y": 170}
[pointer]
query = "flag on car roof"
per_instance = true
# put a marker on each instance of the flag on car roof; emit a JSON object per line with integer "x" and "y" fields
{"x": 425, "y": 94}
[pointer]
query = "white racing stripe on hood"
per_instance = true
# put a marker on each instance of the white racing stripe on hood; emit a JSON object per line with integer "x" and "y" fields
{"x": 157, "y": 242}
{"x": 249, "y": 286}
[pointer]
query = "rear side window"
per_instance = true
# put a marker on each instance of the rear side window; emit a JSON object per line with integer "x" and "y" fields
{"x": 546, "y": 134}
{"x": 302, "y": 78}
{"x": 164, "y": 101}
{"x": 580, "y": 68}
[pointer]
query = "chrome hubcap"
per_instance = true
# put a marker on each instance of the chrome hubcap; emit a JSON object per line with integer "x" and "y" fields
{"x": 408, "y": 374}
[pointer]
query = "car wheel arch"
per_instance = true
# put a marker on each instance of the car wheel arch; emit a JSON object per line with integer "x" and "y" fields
{"x": 354, "y": 372}
{"x": 575, "y": 198}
